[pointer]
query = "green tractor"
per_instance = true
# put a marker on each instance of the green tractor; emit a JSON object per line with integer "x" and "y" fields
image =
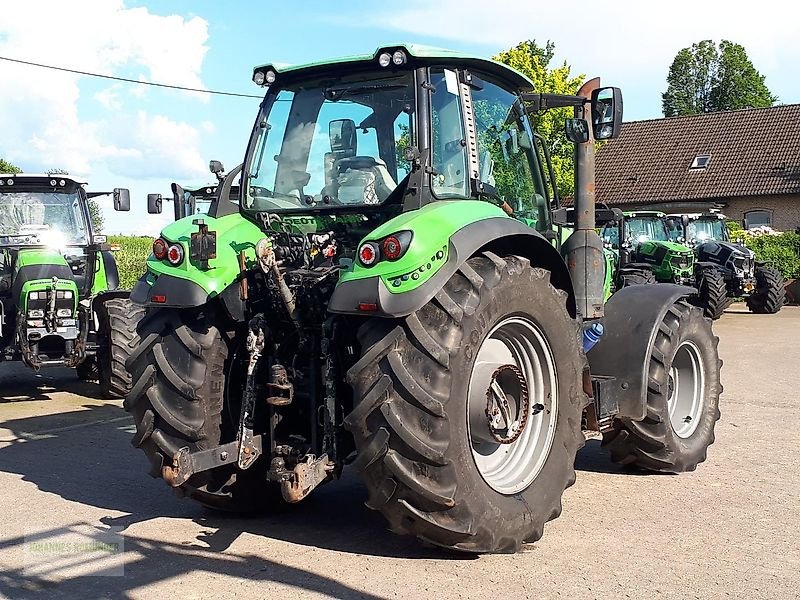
{"x": 391, "y": 296}
{"x": 726, "y": 270}
{"x": 198, "y": 200}
{"x": 639, "y": 250}
{"x": 59, "y": 299}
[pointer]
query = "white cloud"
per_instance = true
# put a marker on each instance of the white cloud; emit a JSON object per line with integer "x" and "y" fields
{"x": 158, "y": 147}
{"x": 42, "y": 125}
{"x": 629, "y": 42}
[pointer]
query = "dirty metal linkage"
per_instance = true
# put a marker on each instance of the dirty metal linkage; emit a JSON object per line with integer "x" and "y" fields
{"x": 248, "y": 452}
{"x": 300, "y": 481}
{"x": 185, "y": 463}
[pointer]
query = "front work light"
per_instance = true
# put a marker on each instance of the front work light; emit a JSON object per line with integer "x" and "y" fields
{"x": 385, "y": 59}
{"x": 399, "y": 57}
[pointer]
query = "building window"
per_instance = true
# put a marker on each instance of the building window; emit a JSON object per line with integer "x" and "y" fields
{"x": 701, "y": 161}
{"x": 757, "y": 218}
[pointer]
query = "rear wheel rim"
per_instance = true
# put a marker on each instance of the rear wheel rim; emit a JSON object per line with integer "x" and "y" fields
{"x": 514, "y": 361}
{"x": 686, "y": 390}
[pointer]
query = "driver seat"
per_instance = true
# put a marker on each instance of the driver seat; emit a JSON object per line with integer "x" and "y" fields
{"x": 362, "y": 180}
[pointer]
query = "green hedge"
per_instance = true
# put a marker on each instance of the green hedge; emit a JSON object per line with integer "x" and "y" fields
{"x": 131, "y": 257}
{"x": 782, "y": 251}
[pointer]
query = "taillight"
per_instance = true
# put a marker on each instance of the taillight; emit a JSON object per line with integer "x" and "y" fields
{"x": 175, "y": 254}
{"x": 160, "y": 249}
{"x": 368, "y": 254}
{"x": 392, "y": 248}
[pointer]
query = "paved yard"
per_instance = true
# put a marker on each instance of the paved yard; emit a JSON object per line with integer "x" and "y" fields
{"x": 729, "y": 530}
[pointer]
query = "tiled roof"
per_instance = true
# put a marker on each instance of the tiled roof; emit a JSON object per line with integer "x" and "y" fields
{"x": 754, "y": 152}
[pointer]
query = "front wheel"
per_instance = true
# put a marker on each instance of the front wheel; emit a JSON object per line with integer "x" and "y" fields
{"x": 117, "y": 336}
{"x": 683, "y": 389}
{"x": 635, "y": 276}
{"x": 712, "y": 293}
{"x": 467, "y": 413}
{"x": 770, "y": 294}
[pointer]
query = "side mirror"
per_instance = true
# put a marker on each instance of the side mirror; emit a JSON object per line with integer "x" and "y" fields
{"x": 606, "y": 113}
{"x": 684, "y": 220}
{"x": 576, "y": 130}
{"x": 154, "y": 202}
{"x": 215, "y": 167}
{"x": 342, "y": 134}
{"x": 122, "y": 199}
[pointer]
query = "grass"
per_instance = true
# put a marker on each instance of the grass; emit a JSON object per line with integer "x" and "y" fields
{"x": 131, "y": 257}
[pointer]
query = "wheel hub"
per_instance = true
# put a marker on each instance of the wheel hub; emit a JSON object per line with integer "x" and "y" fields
{"x": 512, "y": 404}
{"x": 507, "y": 404}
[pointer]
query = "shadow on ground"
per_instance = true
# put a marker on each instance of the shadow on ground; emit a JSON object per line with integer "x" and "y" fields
{"x": 90, "y": 461}
{"x": 18, "y": 383}
{"x": 148, "y": 562}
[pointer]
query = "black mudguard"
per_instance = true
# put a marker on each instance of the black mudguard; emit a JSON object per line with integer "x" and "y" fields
{"x": 112, "y": 273}
{"x": 632, "y": 318}
{"x": 182, "y": 293}
{"x": 498, "y": 234}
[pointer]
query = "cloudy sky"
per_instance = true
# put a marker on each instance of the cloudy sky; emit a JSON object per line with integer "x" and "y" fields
{"x": 116, "y": 134}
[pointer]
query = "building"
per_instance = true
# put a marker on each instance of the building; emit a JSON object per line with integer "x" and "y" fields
{"x": 744, "y": 162}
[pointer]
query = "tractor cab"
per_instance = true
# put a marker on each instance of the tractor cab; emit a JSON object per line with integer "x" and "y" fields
{"x": 697, "y": 228}
{"x": 395, "y": 131}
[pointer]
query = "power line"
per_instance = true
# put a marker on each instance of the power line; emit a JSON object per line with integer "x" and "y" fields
{"x": 163, "y": 85}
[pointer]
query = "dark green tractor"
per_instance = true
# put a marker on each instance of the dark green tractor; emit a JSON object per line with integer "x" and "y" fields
{"x": 389, "y": 295}
{"x": 725, "y": 270}
{"x": 639, "y": 249}
{"x": 59, "y": 299}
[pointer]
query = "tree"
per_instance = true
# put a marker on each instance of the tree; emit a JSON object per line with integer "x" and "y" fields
{"x": 706, "y": 78}
{"x": 533, "y": 60}
{"x": 7, "y": 167}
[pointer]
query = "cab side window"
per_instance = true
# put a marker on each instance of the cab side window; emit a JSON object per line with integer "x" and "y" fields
{"x": 506, "y": 153}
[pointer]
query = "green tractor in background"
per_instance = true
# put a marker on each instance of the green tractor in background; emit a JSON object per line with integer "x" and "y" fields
{"x": 725, "y": 270}
{"x": 390, "y": 295}
{"x": 204, "y": 199}
{"x": 639, "y": 251}
{"x": 59, "y": 299}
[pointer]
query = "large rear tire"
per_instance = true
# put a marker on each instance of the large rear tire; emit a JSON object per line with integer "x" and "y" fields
{"x": 712, "y": 294}
{"x": 422, "y": 388}
{"x": 770, "y": 293}
{"x": 117, "y": 339}
{"x": 683, "y": 391}
{"x": 185, "y": 374}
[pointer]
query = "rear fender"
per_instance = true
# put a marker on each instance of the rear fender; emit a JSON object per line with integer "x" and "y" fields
{"x": 632, "y": 318}
{"x": 501, "y": 235}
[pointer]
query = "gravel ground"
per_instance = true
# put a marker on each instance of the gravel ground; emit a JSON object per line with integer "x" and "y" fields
{"x": 728, "y": 530}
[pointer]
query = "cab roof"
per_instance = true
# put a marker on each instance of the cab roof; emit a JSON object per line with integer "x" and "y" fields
{"x": 644, "y": 213}
{"x": 57, "y": 176}
{"x": 418, "y": 54}
{"x": 695, "y": 216}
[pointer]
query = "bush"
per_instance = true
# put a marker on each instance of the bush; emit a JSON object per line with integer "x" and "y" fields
{"x": 131, "y": 257}
{"x": 781, "y": 250}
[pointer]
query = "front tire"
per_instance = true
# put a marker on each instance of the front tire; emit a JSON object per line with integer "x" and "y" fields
{"x": 184, "y": 371}
{"x": 712, "y": 294}
{"x": 635, "y": 276}
{"x": 422, "y": 383}
{"x": 117, "y": 336}
{"x": 770, "y": 294}
{"x": 683, "y": 391}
